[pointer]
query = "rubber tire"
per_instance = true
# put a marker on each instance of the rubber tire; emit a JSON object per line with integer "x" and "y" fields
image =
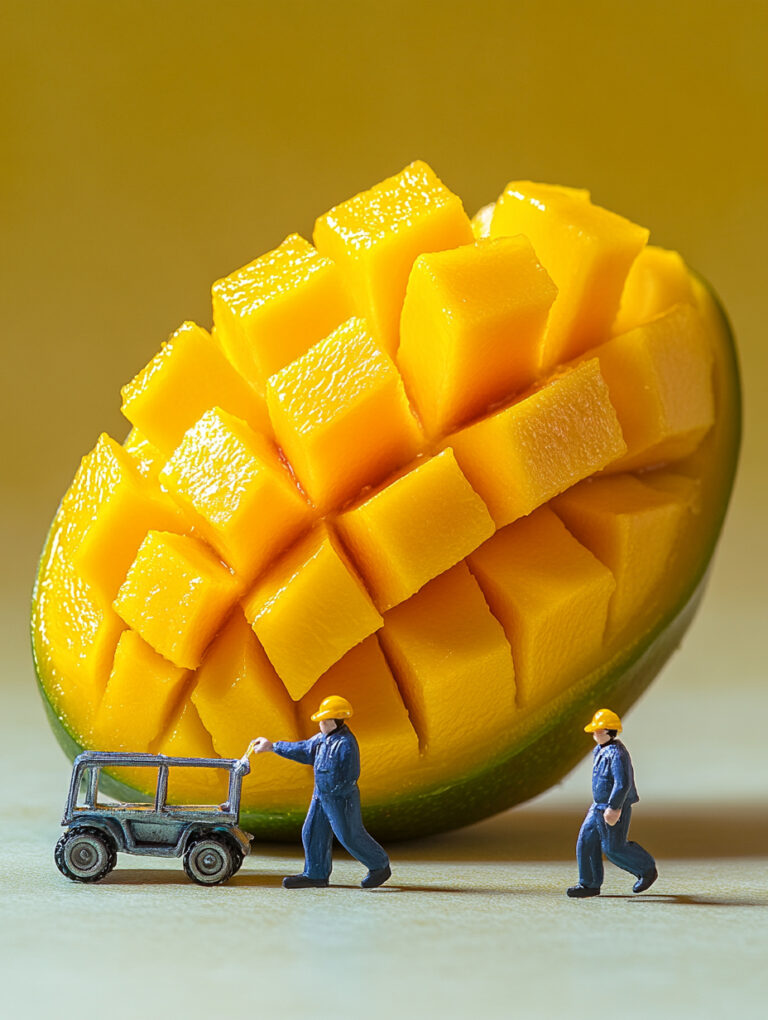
{"x": 215, "y": 876}
{"x": 97, "y": 839}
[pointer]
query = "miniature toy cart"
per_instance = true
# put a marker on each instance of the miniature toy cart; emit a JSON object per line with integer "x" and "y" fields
{"x": 208, "y": 837}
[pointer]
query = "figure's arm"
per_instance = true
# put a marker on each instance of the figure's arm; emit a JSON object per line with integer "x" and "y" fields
{"x": 347, "y": 770}
{"x": 300, "y": 750}
{"x": 620, "y": 773}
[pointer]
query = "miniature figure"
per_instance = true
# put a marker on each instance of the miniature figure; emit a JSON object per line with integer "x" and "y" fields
{"x": 335, "y": 806}
{"x": 606, "y": 827}
{"x": 208, "y": 837}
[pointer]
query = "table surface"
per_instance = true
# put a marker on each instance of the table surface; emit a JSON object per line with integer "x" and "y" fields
{"x": 475, "y": 920}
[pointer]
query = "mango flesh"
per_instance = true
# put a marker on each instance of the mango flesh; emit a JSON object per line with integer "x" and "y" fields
{"x": 462, "y": 542}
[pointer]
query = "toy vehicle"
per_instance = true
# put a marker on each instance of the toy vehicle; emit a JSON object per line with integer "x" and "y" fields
{"x": 208, "y": 837}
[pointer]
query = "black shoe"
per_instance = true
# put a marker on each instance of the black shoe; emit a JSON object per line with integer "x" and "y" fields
{"x": 377, "y": 876}
{"x": 304, "y": 882}
{"x": 645, "y": 881}
{"x": 580, "y": 892}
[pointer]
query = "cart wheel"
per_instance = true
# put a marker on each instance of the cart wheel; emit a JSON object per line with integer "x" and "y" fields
{"x": 209, "y": 861}
{"x": 85, "y": 855}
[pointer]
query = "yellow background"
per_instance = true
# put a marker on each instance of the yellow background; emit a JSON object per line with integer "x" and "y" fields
{"x": 150, "y": 148}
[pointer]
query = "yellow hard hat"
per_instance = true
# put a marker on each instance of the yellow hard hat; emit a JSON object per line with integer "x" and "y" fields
{"x": 334, "y": 707}
{"x": 603, "y": 719}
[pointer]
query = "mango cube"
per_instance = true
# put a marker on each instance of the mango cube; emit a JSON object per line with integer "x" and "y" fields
{"x": 188, "y": 376}
{"x": 241, "y": 496}
{"x": 471, "y": 329}
{"x": 452, "y": 662}
{"x": 414, "y": 528}
{"x": 523, "y": 455}
{"x": 659, "y": 376}
{"x": 341, "y": 415}
{"x": 146, "y": 457}
{"x": 551, "y": 596}
{"x": 380, "y": 722}
{"x": 186, "y": 737}
{"x": 657, "y": 280}
{"x": 275, "y": 308}
{"x": 633, "y": 529}
{"x": 175, "y": 596}
{"x": 587, "y": 251}
{"x": 309, "y": 609}
{"x": 141, "y": 693}
{"x": 375, "y": 237}
{"x": 239, "y": 696}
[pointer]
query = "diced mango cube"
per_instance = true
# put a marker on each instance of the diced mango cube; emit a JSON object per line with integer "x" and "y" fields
{"x": 633, "y": 529}
{"x": 659, "y": 376}
{"x": 275, "y": 308}
{"x": 309, "y": 609}
{"x": 241, "y": 496}
{"x": 387, "y": 739}
{"x": 414, "y": 528}
{"x": 523, "y": 455}
{"x": 125, "y": 506}
{"x": 586, "y": 250}
{"x": 375, "y": 237}
{"x": 341, "y": 415}
{"x": 147, "y": 458}
{"x": 175, "y": 596}
{"x": 188, "y": 376}
{"x": 471, "y": 329}
{"x": 239, "y": 696}
{"x": 551, "y": 596}
{"x": 141, "y": 693}
{"x": 657, "y": 280}
{"x": 452, "y": 663}
{"x": 186, "y": 737}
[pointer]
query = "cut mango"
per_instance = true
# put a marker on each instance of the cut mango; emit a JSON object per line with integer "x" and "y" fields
{"x": 375, "y": 237}
{"x": 551, "y": 595}
{"x": 275, "y": 308}
{"x": 250, "y": 482}
{"x": 309, "y": 609}
{"x": 471, "y": 329}
{"x": 341, "y": 415}
{"x": 189, "y": 375}
{"x": 659, "y": 377}
{"x": 587, "y": 251}
{"x": 633, "y": 529}
{"x": 175, "y": 596}
{"x": 414, "y": 528}
{"x": 523, "y": 455}
{"x": 452, "y": 663}
{"x": 338, "y": 544}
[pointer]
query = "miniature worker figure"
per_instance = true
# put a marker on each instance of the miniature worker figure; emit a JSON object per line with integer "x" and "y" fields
{"x": 606, "y": 827}
{"x": 335, "y": 806}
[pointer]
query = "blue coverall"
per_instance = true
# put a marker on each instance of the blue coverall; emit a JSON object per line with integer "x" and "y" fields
{"x": 335, "y": 806}
{"x": 613, "y": 785}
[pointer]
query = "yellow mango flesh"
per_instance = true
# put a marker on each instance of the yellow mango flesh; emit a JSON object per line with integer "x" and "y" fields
{"x": 523, "y": 455}
{"x": 309, "y": 609}
{"x": 551, "y": 595}
{"x": 414, "y": 528}
{"x": 278, "y": 306}
{"x": 588, "y": 252}
{"x": 341, "y": 415}
{"x": 375, "y": 237}
{"x": 175, "y": 595}
{"x": 471, "y": 329}
{"x": 225, "y": 476}
{"x": 404, "y": 596}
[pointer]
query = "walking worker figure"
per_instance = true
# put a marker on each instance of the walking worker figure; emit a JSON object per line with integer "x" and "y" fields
{"x": 335, "y": 806}
{"x": 606, "y": 827}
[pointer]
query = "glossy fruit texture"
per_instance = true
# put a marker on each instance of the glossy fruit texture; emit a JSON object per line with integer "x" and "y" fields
{"x": 467, "y": 475}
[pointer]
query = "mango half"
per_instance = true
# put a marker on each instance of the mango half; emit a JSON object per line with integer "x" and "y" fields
{"x": 468, "y": 474}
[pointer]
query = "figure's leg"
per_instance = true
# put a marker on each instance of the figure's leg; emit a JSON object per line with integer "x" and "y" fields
{"x": 347, "y": 823}
{"x": 317, "y": 837}
{"x": 624, "y": 853}
{"x": 589, "y": 852}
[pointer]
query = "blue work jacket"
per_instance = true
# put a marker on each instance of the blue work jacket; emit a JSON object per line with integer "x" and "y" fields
{"x": 613, "y": 781}
{"x": 335, "y": 758}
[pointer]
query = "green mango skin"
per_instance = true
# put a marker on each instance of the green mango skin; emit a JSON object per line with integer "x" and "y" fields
{"x": 554, "y": 741}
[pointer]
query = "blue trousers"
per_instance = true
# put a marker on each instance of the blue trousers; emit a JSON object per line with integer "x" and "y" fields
{"x": 338, "y": 816}
{"x": 597, "y": 838}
